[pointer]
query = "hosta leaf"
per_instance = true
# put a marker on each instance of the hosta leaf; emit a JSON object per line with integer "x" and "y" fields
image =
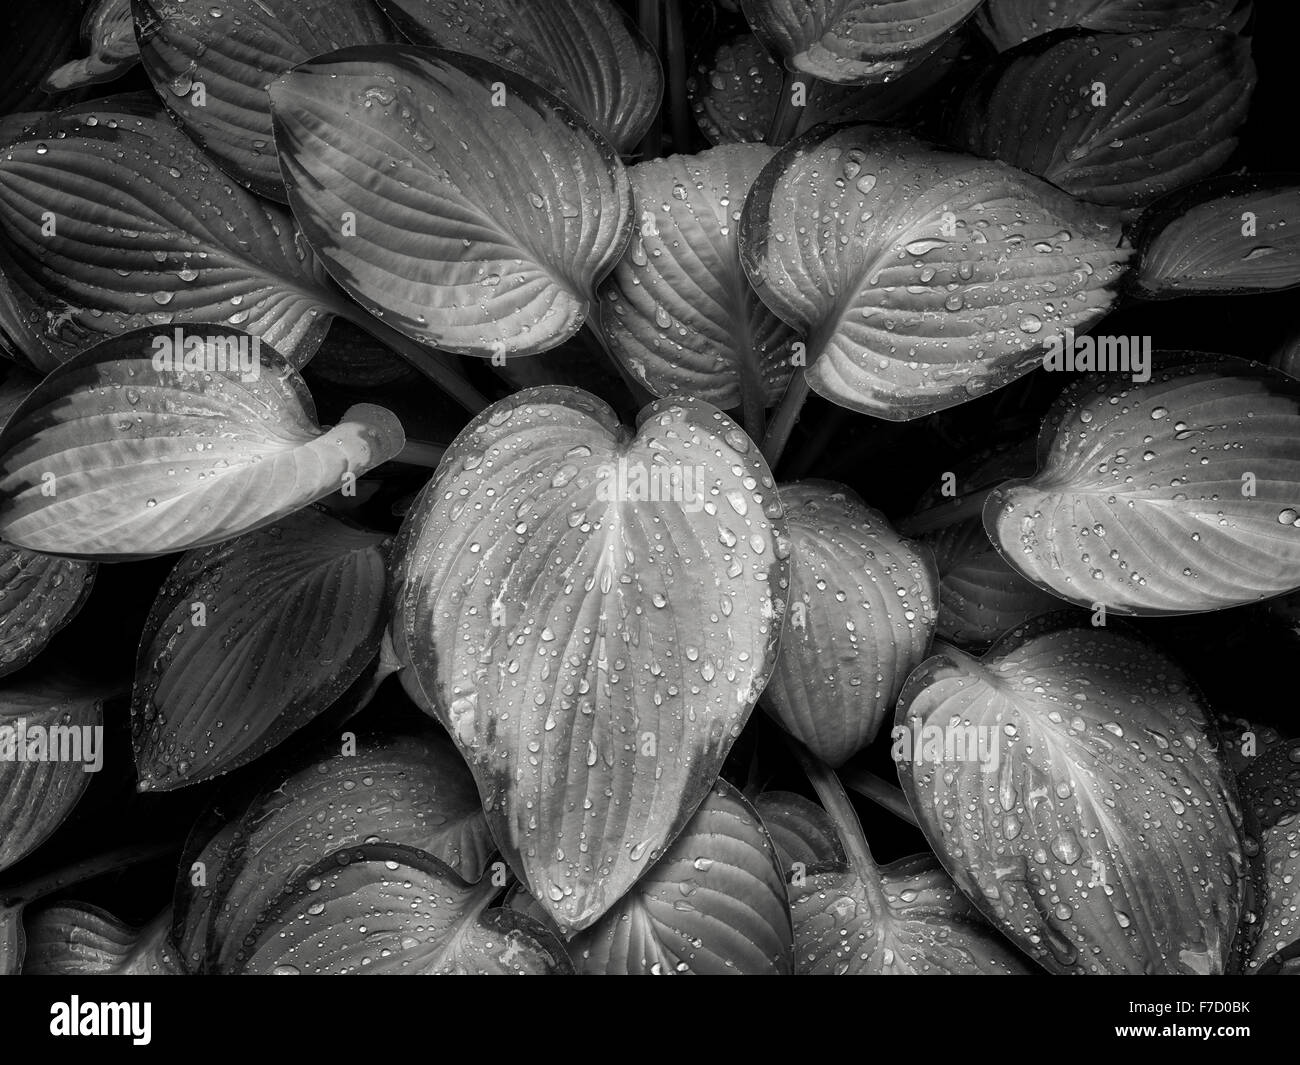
{"x": 929, "y": 277}
{"x": 212, "y": 63}
{"x": 34, "y": 38}
{"x": 1115, "y": 119}
{"x": 147, "y": 492}
{"x": 863, "y": 604}
{"x": 851, "y": 41}
{"x": 50, "y": 743}
{"x": 1270, "y": 785}
{"x": 13, "y": 940}
{"x": 491, "y": 248}
{"x": 1011, "y": 22}
{"x": 39, "y": 594}
{"x": 678, "y": 310}
{"x": 713, "y": 904}
{"x": 74, "y": 939}
{"x": 1099, "y": 830}
{"x": 221, "y": 677}
{"x": 384, "y": 909}
{"x": 1170, "y": 497}
{"x": 587, "y": 52}
{"x": 410, "y": 790}
{"x": 980, "y": 595}
{"x": 913, "y": 923}
{"x": 109, "y": 34}
{"x": 802, "y": 831}
{"x": 735, "y": 96}
{"x": 1224, "y": 237}
{"x": 592, "y": 614}
{"x": 114, "y": 220}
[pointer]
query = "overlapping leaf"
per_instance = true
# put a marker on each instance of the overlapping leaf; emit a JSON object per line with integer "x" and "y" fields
{"x": 114, "y": 457}
{"x": 587, "y": 52}
{"x": 736, "y": 95}
{"x": 801, "y": 831}
{"x": 111, "y": 219}
{"x": 1223, "y": 237}
{"x": 1170, "y": 497}
{"x": 75, "y": 939}
{"x": 212, "y": 63}
{"x": 863, "y": 605}
{"x": 49, "y": 746}
{"x": 249, "y": 640}
{"x": 1117, "y": 119}
{"x": 854, "y": 41}
{"x": 714, "y": 904}
{"x": 678, "y": 310}
{"x": 928, "y": 277}
{"x": 385, "y": 909}
{"x": 1008, "y": 23}
{"x": 39, "y": 594}
{"x": 109, "y": 34}
{"x": 1101, "y": 834}
{"x": 592, "y": 614}
{"x": 478, "y": 229}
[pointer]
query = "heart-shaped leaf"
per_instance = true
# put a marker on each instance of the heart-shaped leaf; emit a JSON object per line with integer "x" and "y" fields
{"x": 1232, "y": 236}
{"x": 196, "y": 436}
{"x": 74, "y": 939}
{"x": 980, "y": 596}
{"x": 1100, "y": 834}
{"x": 211, "y": 64}
{"x": 592, "y": 615}
{"x": 39, "y": 594}
{"x": 479, "y": 229}
{"x": 678, "y": 311}
{"x": 51, "y": 740}
{"x": 928, "y": 277}
{"x": 852, "y": 41}
{"x": 587, "y": 52}
{"x": 1008, "y": 23}
{"x": 112, "y": 220}
{"x": 736, "y": 96}
{"x": 1170, "y": 497}
{"x": 384, "y": 909}
{"x": 410, "y": 790}
{"x": 109, "y": 33}
{"x": 863, "y": 605}
{"x": 802, "y": 832}
{"x": 221, "y": 677}
{"x": 713, "y": 904}
{"x": 1115, "y": 119}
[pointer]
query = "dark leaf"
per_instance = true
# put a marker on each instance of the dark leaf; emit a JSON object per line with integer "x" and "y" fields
{"x": 74, "y": 939}
{"x": 803, "y": 833}
{"x": 1011, "y": 22}
{"x": 109, "y": 34}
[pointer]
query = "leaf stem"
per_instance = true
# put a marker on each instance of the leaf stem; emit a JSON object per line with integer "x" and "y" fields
{"x": 778, "y": 433}
{"x": 87, "y": 869}
{"x": 786, "y": 120}
{"x": 835, "y": 801}
{"x": 675, "y": 45}
{"x": 881, "y": 792}
{"x": 421, "y": 453}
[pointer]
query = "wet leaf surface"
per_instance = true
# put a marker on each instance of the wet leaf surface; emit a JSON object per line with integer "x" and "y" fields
{"x": 1008, "y": 23}
{"x": 108, "y": 32}
{"x": 74, "y": 939}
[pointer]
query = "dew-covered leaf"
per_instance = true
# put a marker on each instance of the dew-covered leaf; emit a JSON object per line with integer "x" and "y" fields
{"x": 929, "y": 277}
{"x": 1008, "y": 23}
{"x": 1116, "y": 119}
{"x": 587, "y": 52}
{"x": 980, "y": 595}
{"x": 39, "y": 594}
{"x": 409, "y": 790}
{"x": 1170, "y": 497}
{"x": 714, "y": 904}
{"x": 855, "y": 41}
{"x": 1097, "y": 827}
{"x": 111, "y": 219}
{"x": 212, "y": 63}
{"x": 592, "y": 614}
{"x": 50, "y": 743}
{"x": 735, "y": 96}
{"x": 478, "y": 229}
{"x": 222, "y": 676}
{"x": 386, "y": 909}
{"x": 863, "y": 605}
{"x": 76, "y": 939}
{"x": 115, "y": 457}
{"x": 802, "y": 832}
{"x": 1231, "y": 236}
{"x": 678, "y": 310}
{"x": 109, "y": 35}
